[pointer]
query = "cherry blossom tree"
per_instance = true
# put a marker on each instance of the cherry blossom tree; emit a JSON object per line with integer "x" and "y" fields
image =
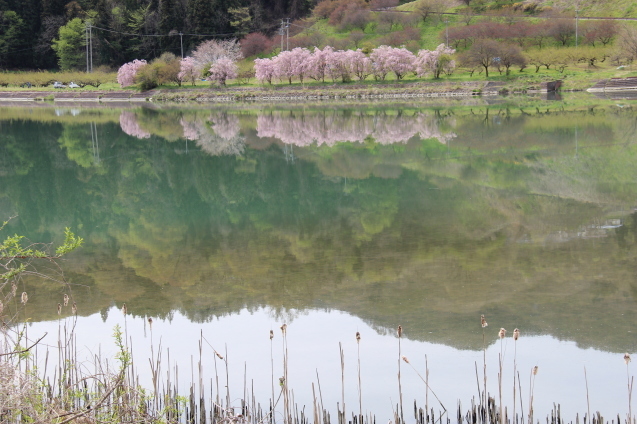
{"x": 435, "y": 61}
{"x": 209, "y": 52}
{"x": 339, "y": 65}
{"x": 222, "y": 70}
{"x": 387, "y": 59}
{"x": 188, "y": 70}
{"x": 264, "y": 70}
{"x": 361, "y": 64}
{"x": 127, "y": 72}
{"x": 292, "y": 63}
{"x": 319, "y": 62}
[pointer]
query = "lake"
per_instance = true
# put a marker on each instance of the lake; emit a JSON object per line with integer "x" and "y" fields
{"x": 223, "y": 223}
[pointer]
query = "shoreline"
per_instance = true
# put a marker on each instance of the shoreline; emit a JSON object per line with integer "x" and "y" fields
{"x": 275, "y": 94}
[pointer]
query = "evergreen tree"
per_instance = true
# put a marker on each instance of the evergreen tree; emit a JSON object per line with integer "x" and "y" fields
{"x": 70, "y": 45}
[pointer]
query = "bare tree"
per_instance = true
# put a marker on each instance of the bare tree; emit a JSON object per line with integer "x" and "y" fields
{"x": 427, "y": 8}
{"x": 481, "y": 54}
{"x": 628, "y": 42}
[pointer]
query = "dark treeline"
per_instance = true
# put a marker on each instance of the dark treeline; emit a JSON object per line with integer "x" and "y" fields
{"x": 122, "y": 27}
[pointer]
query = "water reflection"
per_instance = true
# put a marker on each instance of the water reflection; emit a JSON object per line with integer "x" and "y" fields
{"x": 419, "y": 217}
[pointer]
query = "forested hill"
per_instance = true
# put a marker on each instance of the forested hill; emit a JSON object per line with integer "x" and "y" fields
{"x": 28, "y": 27}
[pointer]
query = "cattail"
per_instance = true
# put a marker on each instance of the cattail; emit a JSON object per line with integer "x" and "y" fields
{"x": 219, "y": 355}
{"x": 124, "y": 309}
{"x": 24, "y": 298}
{"x": 284, "y": 328}
{"x": 483, "y": 321}
{"x": 405, "y": 359}
{"x": 66, "y": 299}
{"x": 74, "y": 309}
{"x": 516, "y": 334}
{"x": 59, "y": 308}
{"x": 358, "y": 337}
{"x": 271, "y": 334}
{"x": 626, "y": 358}
{"x": 535, "y": 370}
{"x": 150, "y": 322}
{"x": 400, "y": 331}
{"x": 502, "y": 333}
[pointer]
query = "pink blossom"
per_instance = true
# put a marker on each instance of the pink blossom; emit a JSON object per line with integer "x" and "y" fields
{"x": 128, "y": 123}
{"x": 209, "y": 52}
{"x": 319, "y": 63}
{"x": 222, "y": 139}
{"x": 264, "y": 70}
{"x": 332, "y": 127}
{"x": 292, "y": 63}
{"x": 126, "y": 73}
{"x": 222, "y": 70}
{"x": 435, "y": 61}
{"x": 188, "y": 70}
{"x": 387, "y": 59}
{"x": 361, "y": 64}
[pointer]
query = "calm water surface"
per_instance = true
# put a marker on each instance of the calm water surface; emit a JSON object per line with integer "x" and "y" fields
{"x": 228, "y": 222}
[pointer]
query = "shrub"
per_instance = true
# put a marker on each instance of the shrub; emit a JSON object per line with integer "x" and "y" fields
{"x": 255, "y": 43}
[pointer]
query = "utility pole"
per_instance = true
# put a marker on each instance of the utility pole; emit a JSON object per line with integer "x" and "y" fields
{"x": 447, "y": 31}
{"x": 86, "y": 44}
{"x": 90, "y": 38}
{"x": 181, "y": 42}
{"x": 576, "y": 23}
{"x": 287, "y": 27}
{"x": 282, "y": 32}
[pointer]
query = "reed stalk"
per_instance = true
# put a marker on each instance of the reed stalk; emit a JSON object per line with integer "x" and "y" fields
{"x": 516, "y": 336}
{"x": 342, "y": 413}
{"x": 404, "y": 358}
{"x": 630, "y": 388}
{"x": 400, "y": 387}
{"x": 588, "y": 400}
{"x": 360, "y": 389}
{"x": 502, "y": 333}
{"x": 532, "y": 387}
{"x": 272, "y": 370}
{"x": 483, "y": 397}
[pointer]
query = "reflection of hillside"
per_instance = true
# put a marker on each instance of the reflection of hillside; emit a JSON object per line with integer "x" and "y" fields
{"x": 422, "y": 234}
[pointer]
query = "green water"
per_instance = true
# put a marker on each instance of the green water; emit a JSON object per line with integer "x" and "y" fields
{"x": 424, "y": 216}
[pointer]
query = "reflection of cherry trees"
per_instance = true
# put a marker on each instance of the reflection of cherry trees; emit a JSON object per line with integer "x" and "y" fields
{"x": 331, "y": 128}
{"x": 217, "y": 135}
{"x": 128, "y": 123}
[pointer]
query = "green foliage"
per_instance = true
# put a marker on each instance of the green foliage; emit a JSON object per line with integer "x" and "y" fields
{"x": 69, "y": 45}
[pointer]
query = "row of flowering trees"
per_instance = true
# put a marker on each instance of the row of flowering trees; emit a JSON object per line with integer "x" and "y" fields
{"x": 214, "y": 59}
{"x": 320, "y": 64}
{"x": 219, "y": 64}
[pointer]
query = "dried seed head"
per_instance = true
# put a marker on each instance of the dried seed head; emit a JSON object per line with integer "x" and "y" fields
{"x": 483, "y": 321}
{"x": 150, "y": 322}
{"x": 14, "y": 289}
{"x": 66, "y": 299}
{"x": 535, "y": 370}
{"x": 271, "y": 334}
{"x": 1, "y": 307}
{"x": 124, "y": 309}
{"x": 405, "y": 359}
{"x": 626, "y": 358}
{"x": 516, "y": 334}
{"x": 74, "y": 309}
{"x": 502, "y": 333}
{"x": 218, "y": 355}
{"x": 358, "y": 337}
{"x": 24, "y": 298}
{"x": 400, "y": 331}
{"x": 59, "y": 308}
{"x": 284, "y": 328}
